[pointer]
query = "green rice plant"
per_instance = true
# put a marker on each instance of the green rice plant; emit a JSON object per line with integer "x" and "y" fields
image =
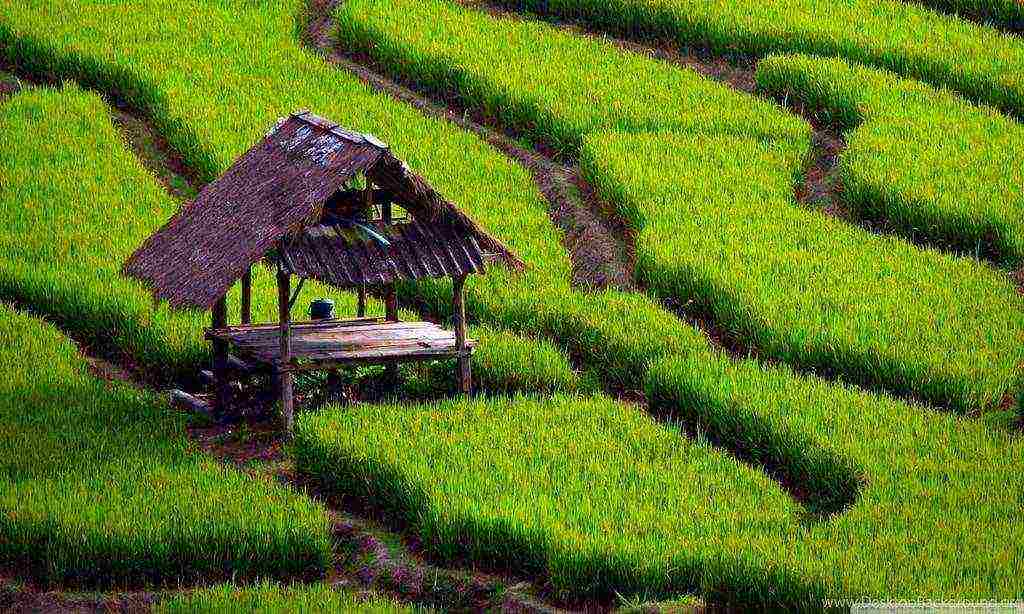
{"x": 605, "y": 499}
{"x": 214, "y": 75}
{"x": 503, "y": 363}
{"x": 562, "y": 87}
{"x": 804, "y": 288}
{"x": 922, "y": 160}
{"x": 98, "y": 485}
{"x": 937, "y": 489}
{"x": 980, "y": 62}
{"x": 732, "y": 208}
{"x": 267, "y": 597}
{"x": 588, "y": 492}
{"x": 1008, "y": 14}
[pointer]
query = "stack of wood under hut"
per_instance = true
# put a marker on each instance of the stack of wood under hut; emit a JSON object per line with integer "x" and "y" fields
{"x": 316, "y": 201}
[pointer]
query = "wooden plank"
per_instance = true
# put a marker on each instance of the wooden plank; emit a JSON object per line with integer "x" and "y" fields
{"x": 314, "y": 324}
{"x": 394, "y": 350}
{"x": 370, "y": 360}
{"x": 270, "y": 336}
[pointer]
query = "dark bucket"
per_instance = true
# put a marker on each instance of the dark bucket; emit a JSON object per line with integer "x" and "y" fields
{"x": 321, "y": 309}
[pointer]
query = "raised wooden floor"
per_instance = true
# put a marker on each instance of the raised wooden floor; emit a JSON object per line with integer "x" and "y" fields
{"x": 318, "y": 345}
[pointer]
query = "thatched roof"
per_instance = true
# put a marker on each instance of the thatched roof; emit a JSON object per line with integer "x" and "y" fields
{"x": 273, "y": 199}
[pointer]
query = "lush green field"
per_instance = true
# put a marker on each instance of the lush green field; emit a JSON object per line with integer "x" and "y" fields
{"x": 608, "y": 500}
{"x": 562, "y": 88}
{"x": 275, "y": 598}
{"x": 739, "y": 517}
{"x": 984, "y": 64}
{"x": 814, "y": 292}
{"x": 99, "y": 487}
{"x": 89, "y": 43}
{"x": 1007, "y": 14}
{"x": 63, "y": 262}
{"x": 923, "y": 160}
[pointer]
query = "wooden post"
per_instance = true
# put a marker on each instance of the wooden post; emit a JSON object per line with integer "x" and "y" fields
{"x": 284, "y": 375}
{"x": 390, "y": 303}
{"x": 219, "y": 319}
{"x": 459, "y": 316}
{"x": 391, "y": 315}
{"x": 361, "y": 305}
{"x": 246, "y": 316}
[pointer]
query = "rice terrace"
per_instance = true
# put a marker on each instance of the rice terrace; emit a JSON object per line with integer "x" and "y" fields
{"x": 511, "y": 305}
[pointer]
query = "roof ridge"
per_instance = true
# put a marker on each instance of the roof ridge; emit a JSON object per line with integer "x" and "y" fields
{"x": 359, "y": 138}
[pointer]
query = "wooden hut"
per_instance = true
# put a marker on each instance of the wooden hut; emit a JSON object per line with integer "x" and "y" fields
{"x": 317, "y": 201}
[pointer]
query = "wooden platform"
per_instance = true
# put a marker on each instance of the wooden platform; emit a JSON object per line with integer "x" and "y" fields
{"x": 332, "y": 343}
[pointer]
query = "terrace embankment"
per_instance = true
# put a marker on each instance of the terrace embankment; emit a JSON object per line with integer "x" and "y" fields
{"x": 820, "y": 187}
{"x": 145, "y": 141}
{"x": 371, "y": 557}
{"x": 599, "y": 243}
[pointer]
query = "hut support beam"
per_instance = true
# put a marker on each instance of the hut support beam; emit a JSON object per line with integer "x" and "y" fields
{"x": 390, "y": 299}
{"x": 246, "y": 316}
{"x": 391, "y": 315}
{"x": 459, "y": 316}
{"x": 219, "y": 319}
{"x": 361, "y": 305}
{"x": 284, "y": 375}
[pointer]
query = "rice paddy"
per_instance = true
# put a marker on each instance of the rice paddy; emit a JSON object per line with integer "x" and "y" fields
{"x": 874, "y": 311}
{"x": 737, "y": 479}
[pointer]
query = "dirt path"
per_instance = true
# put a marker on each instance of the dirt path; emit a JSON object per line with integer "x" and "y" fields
{"x": 370, "y": 556}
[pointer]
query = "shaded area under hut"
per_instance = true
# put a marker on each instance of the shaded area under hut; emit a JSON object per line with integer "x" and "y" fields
{"x": 316, "y": 201}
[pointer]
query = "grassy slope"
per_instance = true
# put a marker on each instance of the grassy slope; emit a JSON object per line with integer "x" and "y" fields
{"x": 276, "y": 598}
{"x": 814, "y": 291}
{"x": 606, "y": 499}
{"x": 1008, "y": 14}
{"x": 951, "y": 334}
{"x": 982, "y": 63}
{"x": 923, "y": 160}
{"x": 620, "y": 334}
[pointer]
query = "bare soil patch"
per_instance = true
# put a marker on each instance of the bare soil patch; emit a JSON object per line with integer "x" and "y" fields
{"x": 18, "y": 598}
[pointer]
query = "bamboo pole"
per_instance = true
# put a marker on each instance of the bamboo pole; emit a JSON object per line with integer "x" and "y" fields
{"x": 284, "y": 374}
